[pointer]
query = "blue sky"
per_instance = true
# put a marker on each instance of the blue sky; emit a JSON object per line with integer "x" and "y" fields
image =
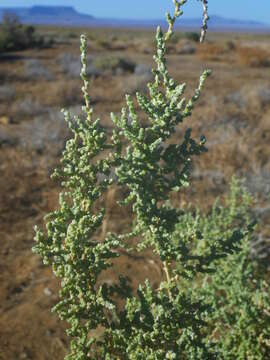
{"x": 258, "y": 10}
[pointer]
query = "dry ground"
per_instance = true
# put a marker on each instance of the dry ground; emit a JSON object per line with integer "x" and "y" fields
{"x": 233, "y": 114}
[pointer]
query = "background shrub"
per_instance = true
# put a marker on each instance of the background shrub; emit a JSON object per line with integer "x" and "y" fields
{"x": 114, "y": 64}
{"x": 14, "y": 36}
{"x": 35, "y": 70}
{"x": 96, "y": 65}
{"x": 7, "y": 92}
{"x": 191, "y": 36}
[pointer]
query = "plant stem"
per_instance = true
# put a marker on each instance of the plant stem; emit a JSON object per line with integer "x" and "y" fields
{"x": 168, "y": 276}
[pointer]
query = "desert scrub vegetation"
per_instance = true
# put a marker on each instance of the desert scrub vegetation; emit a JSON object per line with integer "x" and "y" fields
{"x": 14, "y": 36}
{"x": 253, "y": 57}
{"x": 212, "y": 301}
{"x": 99, "y": 65}
{"x": 192, "y": 36}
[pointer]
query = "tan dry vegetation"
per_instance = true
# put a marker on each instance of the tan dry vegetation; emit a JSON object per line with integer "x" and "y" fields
{"x": 253, "y": 56}
{"x": 211, "y": 51}
{"x": 233, "y": 114}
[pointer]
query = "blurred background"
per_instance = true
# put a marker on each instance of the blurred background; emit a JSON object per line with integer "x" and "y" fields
{"x": 39, "y": 75}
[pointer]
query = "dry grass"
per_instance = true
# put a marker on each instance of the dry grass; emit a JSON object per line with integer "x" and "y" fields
{"x": 253, "y": 57}
{"x": 211, "y": 52}
{"x": 64, "y": 93}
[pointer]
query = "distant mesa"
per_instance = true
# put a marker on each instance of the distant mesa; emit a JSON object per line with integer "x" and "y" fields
{"x": 49, "y": 15}
{"x": 52, "y": 10}
{"x": 69, "y": 16}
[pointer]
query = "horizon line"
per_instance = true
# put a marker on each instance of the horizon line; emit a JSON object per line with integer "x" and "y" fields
{"x": 135, "y": 19}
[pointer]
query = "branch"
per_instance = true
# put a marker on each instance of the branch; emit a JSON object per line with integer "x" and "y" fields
{"x": 178, "y": 12}
{"x": 171, "y": 20}
{"x": 205, "y": 20}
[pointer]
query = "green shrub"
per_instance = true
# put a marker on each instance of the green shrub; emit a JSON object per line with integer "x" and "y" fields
{"x": 192, "y": 36}
{"x": 114, "y": 64}
{"x": 103, "y": 43}
{"x": 14, "y": 36}
{"x": 4, "y": 41}
{"x": 237, "y": 291}
{"x": 72, "y": 35}
{"x": 170, "y": 321}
